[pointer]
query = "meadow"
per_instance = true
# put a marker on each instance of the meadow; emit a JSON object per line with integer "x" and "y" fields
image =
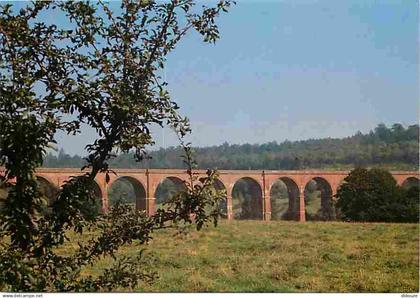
{"x": 281, "y": 256}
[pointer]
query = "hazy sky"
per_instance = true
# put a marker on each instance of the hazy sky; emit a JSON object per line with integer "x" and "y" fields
{"x": 295, "y": 69}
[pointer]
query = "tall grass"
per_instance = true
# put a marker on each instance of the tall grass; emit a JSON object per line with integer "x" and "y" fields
{"x": 256, "y": 256}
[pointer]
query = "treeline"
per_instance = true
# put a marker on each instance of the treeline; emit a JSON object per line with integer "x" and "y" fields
{"x": 394, "y": 147}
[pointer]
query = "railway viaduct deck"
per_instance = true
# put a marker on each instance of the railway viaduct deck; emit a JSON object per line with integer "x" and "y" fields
{"x": 146, "y": 181}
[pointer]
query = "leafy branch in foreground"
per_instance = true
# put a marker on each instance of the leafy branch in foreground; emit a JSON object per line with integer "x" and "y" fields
{"x": 101, "y": 70}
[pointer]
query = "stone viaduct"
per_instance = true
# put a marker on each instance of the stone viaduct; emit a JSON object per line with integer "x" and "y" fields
{"x": 145, "y": 184}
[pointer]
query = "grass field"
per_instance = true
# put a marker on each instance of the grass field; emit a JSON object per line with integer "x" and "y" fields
{"x": 256, "y": 256}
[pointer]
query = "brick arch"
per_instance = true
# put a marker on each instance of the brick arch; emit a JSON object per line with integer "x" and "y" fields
{"x": 327, "y": 190}
{"x": 220, "y": 184}
{"x": 247, "y": 178}
{"x": 249, "y": 208}
{"x": 100, "y": 192}
{"x": 139, "y": 190}
{"x": 176, "y": 180}
{"x": 48, "y": 188}
{"x": 152, "y": 177}
{"x": 324, "y": 182}
{"x": 47, "y": 179}
{"x": 410, "y": 181}
{"x": 293, "y": 192}
{"x": 223, "y": 205}
{"x": 319, "y": 178}
{"x": 285, "y": 179}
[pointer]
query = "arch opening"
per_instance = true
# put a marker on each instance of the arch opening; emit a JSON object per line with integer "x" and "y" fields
{"x": 49, "y": 191}
{"x": 128, "y": 190}
{"x": 284, "y": 199}
{"x": 219, "y": 186}
{"x": 167, "y": 189}
{"x": 89, "y": 209}
{"x": 318, "y": 200}
{"x": 411, "y": 182}
{"x": 247, "y": 199}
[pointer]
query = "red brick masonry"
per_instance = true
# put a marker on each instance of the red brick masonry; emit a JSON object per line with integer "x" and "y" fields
{"x": 149, "y": 180}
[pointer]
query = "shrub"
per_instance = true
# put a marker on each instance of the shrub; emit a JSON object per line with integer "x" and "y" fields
{"x": 373, "y": 195}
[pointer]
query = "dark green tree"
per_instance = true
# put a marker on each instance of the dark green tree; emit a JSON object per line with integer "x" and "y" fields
{"x": 407, "y": 207}
{"x": 102, "y": 70}
{"x": 373, "y": 195}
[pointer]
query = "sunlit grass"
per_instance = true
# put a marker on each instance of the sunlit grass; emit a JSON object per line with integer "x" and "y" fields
{"x": 256, "y": 256}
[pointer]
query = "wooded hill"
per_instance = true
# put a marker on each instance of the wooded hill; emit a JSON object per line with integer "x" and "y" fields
{"x": 393, "y": 148}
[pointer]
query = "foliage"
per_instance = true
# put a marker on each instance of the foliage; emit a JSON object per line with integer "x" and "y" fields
{"x": 407, "y": 206}
{"x": 373, "y": 195}
{"x": 100, "y": 70}
{"x": 396, "y": 148}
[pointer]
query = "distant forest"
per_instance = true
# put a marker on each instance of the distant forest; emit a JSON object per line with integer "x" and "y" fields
{"x": 392, "y": 148}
